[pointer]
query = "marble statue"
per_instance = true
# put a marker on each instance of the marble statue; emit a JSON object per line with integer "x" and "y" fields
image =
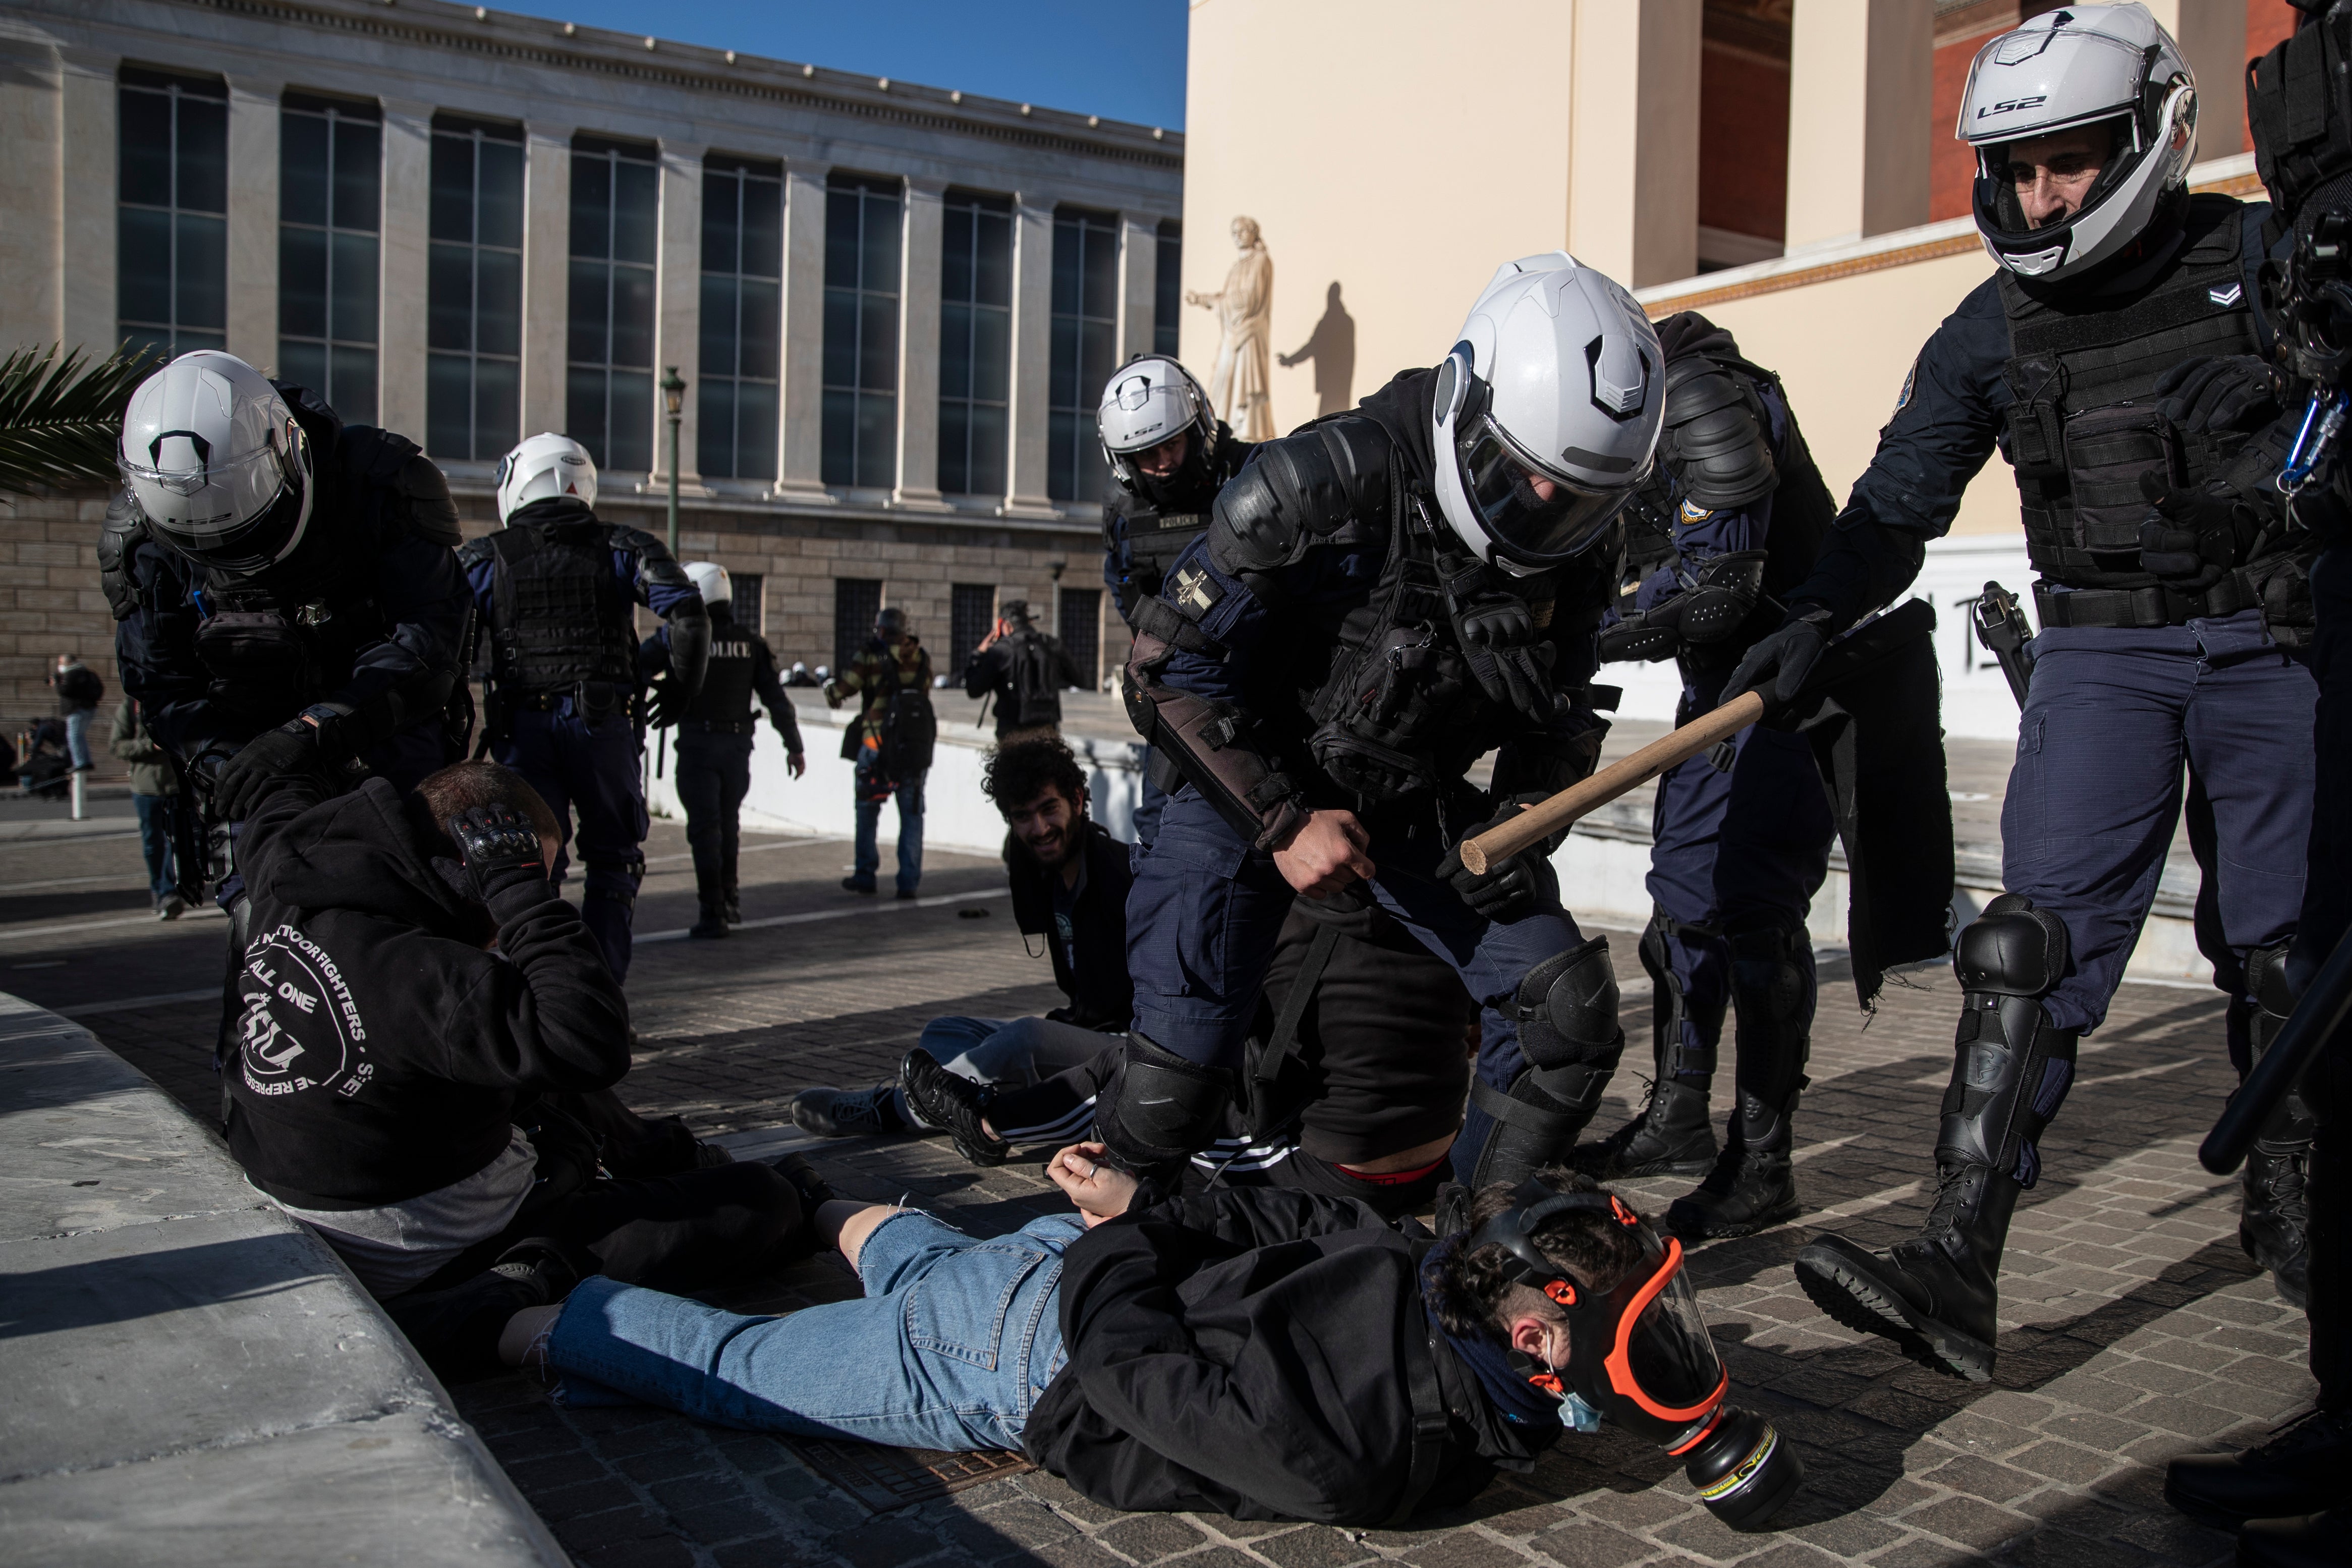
{"x": 1240, "y": 385}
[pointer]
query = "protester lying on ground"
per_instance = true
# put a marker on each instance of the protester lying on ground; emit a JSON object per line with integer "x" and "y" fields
{"x": 424, "y": 1061}
{"x": 1069, "y": 880}
{"x": 1351, "y": 1086}
{"x": 1262, "y": 1353}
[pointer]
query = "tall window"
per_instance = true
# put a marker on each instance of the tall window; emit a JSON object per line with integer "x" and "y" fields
{"x": 861, "y": 331}
{"x": 473, "y": 395}
{"x": 972, "y": 612}
{"x": 1085, "y": 339}
{"x": 855, "y": 602}
{"x": 1168, "y": 288}
{"x": 615, "y": 219}
{"x": 330, "y": 197}
{"x": 742, "y": 268}
{"x": 975, "y": 342}
{"x": 172, "y": 227}
{"x": 749, "y": 607}
{"x": 1081, "y": 630}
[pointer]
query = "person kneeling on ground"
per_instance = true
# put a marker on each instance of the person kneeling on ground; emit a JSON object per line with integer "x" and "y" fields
{"x": 1262, "y": 1353}
{"x": 423, "y": 1062}
{"x": 1351, "y": 1086}
{"x": 1069, "y": 880}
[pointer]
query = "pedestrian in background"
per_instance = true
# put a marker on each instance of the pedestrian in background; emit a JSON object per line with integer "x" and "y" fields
{"x": 890, "y": 746}
{"x": 79, "y": 692}
{"x": 152, "y": 786}
{"x": 1025, "y": 670}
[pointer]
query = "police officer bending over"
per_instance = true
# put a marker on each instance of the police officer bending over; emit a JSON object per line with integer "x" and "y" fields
{"x": 2157, "y": 642}
{"x": 714, "y": 741}
{"x": 1169, "y": 454}
{"x": 1741, "y": 841}
{"x": 558, "y": 591}
{"x": 1383, "y": 598}
{"x": 283, "y": 585}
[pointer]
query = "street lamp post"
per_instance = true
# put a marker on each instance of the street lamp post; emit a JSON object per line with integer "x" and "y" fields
{"x": 673, "y": 390}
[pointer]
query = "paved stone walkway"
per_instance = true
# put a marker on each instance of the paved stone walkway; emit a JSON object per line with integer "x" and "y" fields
{"x": 2133, "y": 1327}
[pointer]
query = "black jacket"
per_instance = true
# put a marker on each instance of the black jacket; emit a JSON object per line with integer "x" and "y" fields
{"x": 380, "y": 1051}
{"x": 999, "y": 670}
{"x": 1250, "y": 1351}
{"x": 1101, "y": 995}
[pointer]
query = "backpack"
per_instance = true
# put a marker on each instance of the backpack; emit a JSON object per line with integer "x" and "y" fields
{"x": 1035, "y": 698}
{"x": 909, "y": 730}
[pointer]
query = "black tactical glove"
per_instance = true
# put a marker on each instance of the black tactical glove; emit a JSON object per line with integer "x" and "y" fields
{"x": 2192, "y": 537}
{"x": 2227, "y": 392}
{"x": 1508, "y": 888}
{"x": 498, "y": 852}
{"x": 1499, "y": 642}
{"x": 244, "y": 779}
{"x": 1779, "y": 664}
{"x": 666, "y": 703}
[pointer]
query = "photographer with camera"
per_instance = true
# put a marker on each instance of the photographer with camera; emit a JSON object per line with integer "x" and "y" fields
{"x": 888, "y": 746}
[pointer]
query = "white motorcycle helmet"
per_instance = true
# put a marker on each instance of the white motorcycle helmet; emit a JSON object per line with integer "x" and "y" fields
{"x": 1546, "y": 413}
{"x": 217, "y": 463}
{"x": 710, "y": 582}
{"x": 1148, "y": 400}
{"x": 545, "y": 465}
{"x": 2080, "y": 65}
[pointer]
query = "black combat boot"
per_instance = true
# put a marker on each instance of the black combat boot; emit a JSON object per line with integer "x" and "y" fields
{"x": 957, "y": 1105}
{"x": 1672, "y": 1136}
{"x": 710, "y": 923}
{"x": 731, "y": 905}
{"x": 1936, "y": 1294}
{"x": 2273, "y": 1222}
{"x": 2298, "y": 1471}
{"x": 1752, "y": 1187}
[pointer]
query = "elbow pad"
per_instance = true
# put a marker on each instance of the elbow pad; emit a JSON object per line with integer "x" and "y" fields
{"x": 124, "y": 527}
{"x": 689, "y": 647}
{"x": 1210, "y": 744}
{"x": 1297, "y": 491}
{"x": 1715, "y": 436}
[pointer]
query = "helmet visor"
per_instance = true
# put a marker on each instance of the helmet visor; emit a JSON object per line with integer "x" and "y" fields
{"x": 1529, "y": 511}
{"x": 239, "y": 515}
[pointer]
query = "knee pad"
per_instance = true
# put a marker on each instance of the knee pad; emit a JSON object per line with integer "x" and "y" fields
{"x": 1566, "y": 1008}
{"x": 2010, "y": 1069}
{"x": 614, "y": 879}
{"x": 1158, "y": 1108}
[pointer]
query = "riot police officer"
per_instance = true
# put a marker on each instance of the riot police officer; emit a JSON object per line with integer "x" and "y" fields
{"x": 284, "y": 587}
{"x": 714, "y": 741}
{"x": 2110, "y": 273}
{"x": 557, "y": 590}
{"x": 1436, "y": 561}
{"x": 1741, "y": 838}
{"x": 1169, "y": 455}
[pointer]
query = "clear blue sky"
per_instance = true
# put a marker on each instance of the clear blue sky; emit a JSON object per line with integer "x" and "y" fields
{"x": 1123, "y": 62}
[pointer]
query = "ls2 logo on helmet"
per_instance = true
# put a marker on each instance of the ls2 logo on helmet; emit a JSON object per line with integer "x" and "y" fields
{"x": 2008, "y": 105}
{"x": 300, "y": 1029}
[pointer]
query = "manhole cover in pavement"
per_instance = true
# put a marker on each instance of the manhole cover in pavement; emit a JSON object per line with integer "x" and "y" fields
{"x": 884, "y": 1480}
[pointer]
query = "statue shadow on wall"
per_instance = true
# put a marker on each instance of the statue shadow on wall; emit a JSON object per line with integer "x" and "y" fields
{"x": 1332, "y": 347}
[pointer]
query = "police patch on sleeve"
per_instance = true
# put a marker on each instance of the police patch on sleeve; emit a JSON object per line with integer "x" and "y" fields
{"x": 1193, "y": 592}
{"x": 1910, "y": 381}
{"x": 1692, "y": 512}
{"x": 300, "y": 1029}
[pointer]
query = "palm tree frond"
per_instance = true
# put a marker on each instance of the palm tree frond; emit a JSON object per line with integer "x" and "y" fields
{"x": 59, "y": 415}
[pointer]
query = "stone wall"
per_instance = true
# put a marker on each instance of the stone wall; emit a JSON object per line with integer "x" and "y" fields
{"x": 50, "y": 603}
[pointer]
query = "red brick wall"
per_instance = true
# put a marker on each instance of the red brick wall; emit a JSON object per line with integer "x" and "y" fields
{"x": 1743, "y": 142}
{"x": 2267, "y": 22}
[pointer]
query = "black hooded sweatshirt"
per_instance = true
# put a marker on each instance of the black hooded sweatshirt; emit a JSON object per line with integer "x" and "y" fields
{"x": 1250, "y": 1351}
{"x": 379, "y": 1051}
{"x": 1101, "y": 995}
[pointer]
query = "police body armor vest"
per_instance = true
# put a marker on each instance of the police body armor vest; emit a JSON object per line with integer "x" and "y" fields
{"x": 1153, "y": 539}
{"x": 2084, "y": 426}
{"x": 726, "y": 694}
{"x": 557, "y": 618}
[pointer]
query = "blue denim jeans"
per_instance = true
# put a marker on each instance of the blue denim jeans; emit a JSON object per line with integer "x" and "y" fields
{"x": 953, "y": 1343}
{"x": 155, "y": 841}
{"x": 870, "y": 819}
{"x": 77, "y": 737}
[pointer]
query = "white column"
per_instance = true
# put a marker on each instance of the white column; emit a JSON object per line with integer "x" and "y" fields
{"x": 401, "y": 253}
{"x": 253, "y": 221}
{"x": 678, "y": 304}
{"x": 1139, "y": 272}
{"x": 2212, "y": 35}
{"x": 32, "y": 187}
{"x": 89, "y": 111}
{"x": 1859, "y": 75}
{"x": 918, "y": 347}
{"x": 801, "y": 443}
{"x": 1633, "y": 208}
{"x": 546, "y": 275}
{"x": 1033, "y": 349}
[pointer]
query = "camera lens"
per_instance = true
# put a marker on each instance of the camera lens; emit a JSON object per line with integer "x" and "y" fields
{"x": 1744, "y": 1471}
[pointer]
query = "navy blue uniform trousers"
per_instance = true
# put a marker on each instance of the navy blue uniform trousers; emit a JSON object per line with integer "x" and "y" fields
{"x": 2326, "y": 912}
{"x": 714, "y": 775}
{"x": 592, "y": 769}
{"x": 1206, "y": 911}
{"x": 1730, "y": 850}
{"x": 2096, "y": 795}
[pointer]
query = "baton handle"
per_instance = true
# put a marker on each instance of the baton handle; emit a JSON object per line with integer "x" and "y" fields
{"x": 2315, "y": 1022}
{"x": 1546, "y": 818}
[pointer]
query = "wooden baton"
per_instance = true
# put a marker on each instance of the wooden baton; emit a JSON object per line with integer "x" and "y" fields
{"x": 1549, "y": 816}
